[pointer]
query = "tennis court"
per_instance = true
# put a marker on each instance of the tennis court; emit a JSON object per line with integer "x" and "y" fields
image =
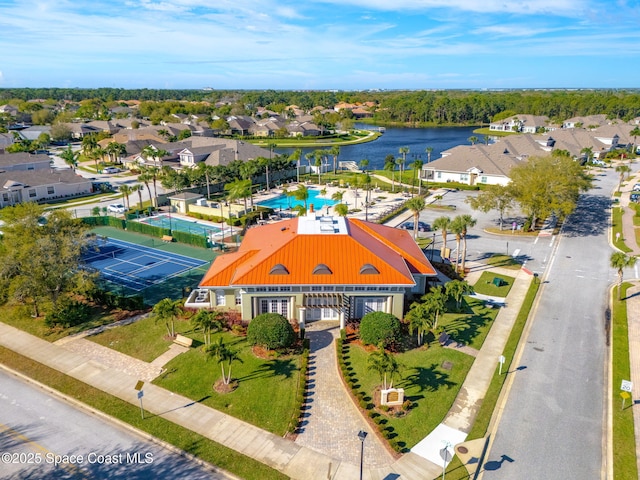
{"x": 134, "y": 266}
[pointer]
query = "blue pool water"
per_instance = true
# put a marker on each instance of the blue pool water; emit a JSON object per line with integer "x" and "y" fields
{"x": 175, "y": 223}
{"x": 283, "y": 202}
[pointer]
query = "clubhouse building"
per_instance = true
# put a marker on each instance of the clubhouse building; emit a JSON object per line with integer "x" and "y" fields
{"x": 317, "y": 267}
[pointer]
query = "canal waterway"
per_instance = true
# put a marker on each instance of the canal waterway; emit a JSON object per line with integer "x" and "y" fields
{"x": 390, "y": 142}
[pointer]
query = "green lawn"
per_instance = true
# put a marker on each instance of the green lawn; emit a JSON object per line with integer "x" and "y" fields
{"x": 624, "y": 453}
{"x": 471, "y": 325}
{"x": 19, "y": 316}
{"x": 504, "y": 261}
{"x": 144, "y": 339}
{"x": 485, "y": 285}
{"x": 267, "y": 389}
{"x": 426, "y": 383}
{"x": 616, "y": 231}
{"x": 201, "y": 447}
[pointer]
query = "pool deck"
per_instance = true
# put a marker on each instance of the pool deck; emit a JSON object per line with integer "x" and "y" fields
{"x": 381, "y": 201}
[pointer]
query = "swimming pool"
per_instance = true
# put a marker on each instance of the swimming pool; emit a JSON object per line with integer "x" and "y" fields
{"x": 284, "y": 202}
{"x": 175, "y": 223}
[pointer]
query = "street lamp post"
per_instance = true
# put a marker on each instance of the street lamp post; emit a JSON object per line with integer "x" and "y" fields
{"x": 433, "y": 244}
{"x": 361, "y": 435}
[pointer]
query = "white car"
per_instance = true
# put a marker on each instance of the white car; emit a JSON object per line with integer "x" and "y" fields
{"x": 116, "y": 208}
{"x": 111, "y": 170}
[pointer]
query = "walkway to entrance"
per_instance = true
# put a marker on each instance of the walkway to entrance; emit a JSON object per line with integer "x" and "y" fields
{"x": 331, "y": 420}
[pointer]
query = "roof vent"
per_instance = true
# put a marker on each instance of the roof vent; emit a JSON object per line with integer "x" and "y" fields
{"x": 322, "y": 269}
{"x": 368, "y": 269}
{"x": 278, "y": 269}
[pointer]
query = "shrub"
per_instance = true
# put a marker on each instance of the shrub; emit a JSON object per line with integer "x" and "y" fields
{"x": 379, "y": 328}
{"x": 68, "y": 313}
{"x": 270, "y": 330}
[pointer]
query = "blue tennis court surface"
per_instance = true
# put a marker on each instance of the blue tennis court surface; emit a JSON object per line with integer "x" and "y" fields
{"x": 135, "y": 266}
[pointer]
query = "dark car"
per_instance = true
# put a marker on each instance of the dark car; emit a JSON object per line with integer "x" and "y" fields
{"x": 422, "y": 227}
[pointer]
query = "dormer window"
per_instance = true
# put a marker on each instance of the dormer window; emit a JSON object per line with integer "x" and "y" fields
{"x": 278, "y": 269}
{"x": 368, "y": 269}
{"x": 322, "y": 269}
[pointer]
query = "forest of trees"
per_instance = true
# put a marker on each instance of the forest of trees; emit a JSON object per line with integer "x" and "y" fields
{"x": 441, "y": 107}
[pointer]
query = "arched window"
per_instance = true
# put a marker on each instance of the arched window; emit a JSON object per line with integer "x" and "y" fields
{"x": 368, "y": 269}
{"x": 322, "y": 269}
{"x": 278, "y": 269}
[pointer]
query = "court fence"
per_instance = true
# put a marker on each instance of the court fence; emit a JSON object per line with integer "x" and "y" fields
{"x": 151, "y": 230}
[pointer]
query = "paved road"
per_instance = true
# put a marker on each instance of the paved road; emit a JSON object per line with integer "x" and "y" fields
{"x": 37, "y": 430}
{"x": 553, "y": 423}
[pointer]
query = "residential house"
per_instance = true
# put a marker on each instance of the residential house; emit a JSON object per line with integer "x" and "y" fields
{"x": 25, "y": 177}
{"x": 521, "y": 124}
{"x": 588, "y": 122}
{"x": 471, "y": 165}
{"x": 317, "y": 267}
{"x": 9, "y": 110}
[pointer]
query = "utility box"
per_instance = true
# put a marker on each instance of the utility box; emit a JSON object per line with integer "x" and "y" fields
{"x": 498, "y": 282}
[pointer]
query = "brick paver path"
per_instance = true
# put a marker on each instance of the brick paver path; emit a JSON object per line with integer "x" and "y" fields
{"x": 331, "y": 420}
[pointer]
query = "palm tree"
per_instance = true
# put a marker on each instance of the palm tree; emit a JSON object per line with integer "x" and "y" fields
{"x": 335, "y": 151}
{"x": 89, "y": 144}
{"x": 622, "y": 170}
{"x": 456, "y": 227}
{"x": 167, "y": 310}
{"x": 318, "y": 164}
{"x": 436, "y": 299}
{"x": 126, "y": 190}
{"x": 116, "y": 149}
{"x": 338, "y": 195}
{"x": 473, "y": 139}
{"x": 223, "y": 354}
{"x": 239, "y": 189}
{"x": 421, "y": 317}
{"x": 416, "y": 205}
{"x": 443, "y": 224}
{"x": 70, "y": 157}
{"x": 341, "y": 209}
{"x": 364, "y": 163}
{"x": 302, "y": 195}
{"x": 429, "y": 151}
{"x": 457, "y": 289}
{"x": 417, "y": 167}
{"x": 467, "y": 222}
{"x": 295, "y": 157}
{"x": 404, "y": 151}
{"x": 400, "y": 163}
{"x": 146, "y": 178}
{"x": 207, "y": 322}
{"x": 390, "y": 166}
{"x": 588, "y": 153}
{"x": 620, "y": 261}
{"x": 136, "y": 187}
{"x": 385, "y": 364}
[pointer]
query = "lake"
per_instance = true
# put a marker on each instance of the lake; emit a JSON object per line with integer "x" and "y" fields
{"x": 390, "y": 142}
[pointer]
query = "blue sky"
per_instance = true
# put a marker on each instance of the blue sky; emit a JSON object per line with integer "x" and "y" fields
{"x": 320, "y": 44}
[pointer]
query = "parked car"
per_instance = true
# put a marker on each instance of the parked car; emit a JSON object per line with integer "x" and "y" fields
{"x": 636, "y": 187}
{"x": 422, "y": 226}
{"x": 116, "y": 208}
{"x": 634, "y": 197}
{"x": 111, "y": 170}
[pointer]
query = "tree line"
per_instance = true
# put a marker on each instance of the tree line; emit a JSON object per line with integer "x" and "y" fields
{"x": 441, "y": 107}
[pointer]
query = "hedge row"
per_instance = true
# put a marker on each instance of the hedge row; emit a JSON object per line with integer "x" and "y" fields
{"x": 105, "y": 221}
{"x": 296, "y": 419}
{"x": 364, "y": 401}
{"x": 148, "y": 229}
{"x": 190, "y": 238}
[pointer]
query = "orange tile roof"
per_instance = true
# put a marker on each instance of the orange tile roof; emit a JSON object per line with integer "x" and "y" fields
{"x": 391, "y": 251}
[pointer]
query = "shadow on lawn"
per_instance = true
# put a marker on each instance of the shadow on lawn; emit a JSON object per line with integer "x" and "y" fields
{"x": 464, "y": 329}
{"x": 274, "y": 368}
{"x": 430, "y": 379}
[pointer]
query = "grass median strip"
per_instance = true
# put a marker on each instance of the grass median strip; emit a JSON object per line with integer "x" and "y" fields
{"x": 624, "y": 441}
{"x": 189, "y": 441}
